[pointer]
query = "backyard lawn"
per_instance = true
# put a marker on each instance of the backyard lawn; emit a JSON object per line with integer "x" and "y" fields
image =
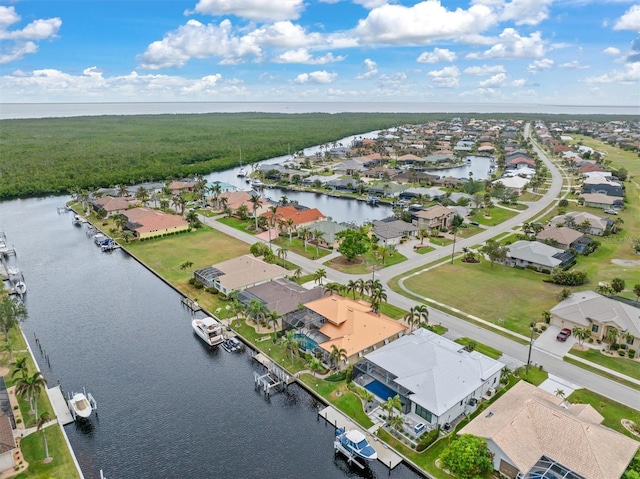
{"x": 32, "y": 447}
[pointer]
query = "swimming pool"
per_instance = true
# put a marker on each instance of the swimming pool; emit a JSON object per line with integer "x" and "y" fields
{"x": 380, "y": 390}
{"x": 306, "y": 342}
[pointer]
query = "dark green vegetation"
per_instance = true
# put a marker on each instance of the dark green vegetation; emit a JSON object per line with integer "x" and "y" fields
{"x": 45, "y": 156}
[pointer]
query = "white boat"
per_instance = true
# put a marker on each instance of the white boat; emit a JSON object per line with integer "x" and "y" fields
{"x": 81, "y": 404}
{"x": 21, "y": 288}
{"x": 13, "y": 271}
{"x": 354, "y": 445}
{"x": 77, "y": 220}
{"x": 209, "y": 330}
{"x": 242, "y": 172}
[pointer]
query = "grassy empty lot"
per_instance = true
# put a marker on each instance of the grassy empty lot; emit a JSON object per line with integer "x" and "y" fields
{"x": 498, "y": 215}
{"x": 516, "y": 296}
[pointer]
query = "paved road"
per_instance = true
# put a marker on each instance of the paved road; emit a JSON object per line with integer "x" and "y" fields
{"x": 459, "y": 327}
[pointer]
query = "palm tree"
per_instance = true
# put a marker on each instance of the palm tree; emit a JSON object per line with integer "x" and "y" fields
{"x": 612, "y": 336}
{"x": 256, "y": 310}
{"x": 186, "y": 265}
{"x": 378, "y": 296}
{"x": 409, "y": 318}
{"x": 123, "y": 190}
{"x": 336, "y": 355}
{"x": 282, "y": 254}
{"x": 21, "y": 367}
{"x": 272, "y": 319}
{"x": 423, "y": 233}
{"x": 179, "y": 203}
{"x": 351, "y": 288}
{"x": 290, "y": 343}
{"x": 319, "y": 275}
{"x": 361, "y": 286}
{"x": 215, "y": 190}
{"x": 396, "y": 422}
{"x": 333, "y": 288}
{"x": 581, "y": 334}
{"x": 127, "y": 236}
{"x": 41, "y": 422}
{"x": 303, "y": 232}
{"x": 142, "y": 195}
{"x": 317, "y": 236}
{"x": 120, "y": 221}
{"x": 11, "y": 313}
{"x": 315, "y": 365}
{"x": 255, "y": 201}
{"x": 422, "y": 313}
{"x": 391, "y": 404}
{"x": 560, "y": 393}
{"x": 636, "y": 291}
{"x": 290, "y": 227}
{"x": 31, "y": 387}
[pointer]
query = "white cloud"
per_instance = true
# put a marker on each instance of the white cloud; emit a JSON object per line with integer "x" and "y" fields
{"x": 302, "y": 55}
{"x": 394, "y": 81}
{"x": 510, "y": 44}
{"x": 257, "y": 10}
{"x": 421, "y": 23}
{"x": 526, "y": 12}
{"x": 196, "y": 40}
{"x": 323, "y": 77}
{"x": 448, "y": 77}
{"x": 485, "y": 70}
{"x": 370, "y": 69}
{"x": 370, "y": 4}
{"x": 494, "y": 81}
{"x": 612, "y": 51}
{"x": 480, "y": 92}
{"x": 519, "y": 82}
{"x": 205, "y": 84}
{"x": 284, "y": 34}
{"x": 574, "y": 65}
{"x": 631, "y": 74}
{"x": 630, "y": 20}
{"x": 21, "y": 42}
{"x": 436, "y": 56}
{"x": 539, "y": 65}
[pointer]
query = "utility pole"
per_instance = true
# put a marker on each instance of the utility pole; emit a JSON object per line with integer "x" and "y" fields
{"x": 530, "y": 348}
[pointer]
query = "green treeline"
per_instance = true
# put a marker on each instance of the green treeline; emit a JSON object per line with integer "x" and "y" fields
{"x": 54, "y": 155}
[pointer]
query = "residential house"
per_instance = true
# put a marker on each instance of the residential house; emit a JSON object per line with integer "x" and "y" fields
{"x": 520, "y": 162}
{"x": 438, "y": 381}
{"x": 439, "y": 158}
{"x": 563, "y": 237}
{"x": 329, "y": 230}
{"x": 349, "y": 167}
{"x": 114, "y": 205}
{"x": 235, "y": 199}
{"x": 300, "y": 216}
{"x": 524, "y": 172}
{"x": 575, "y": 219}
{"x": 599, "y": 200}
{"x": 587, "y": 166}
{"x": 280, "y": 295}
{"x": 598, "y": 314}
{"x": 147, "y": 223}
{"x": 415, "y": 177}
{"x": 178, "y": 187}
{"x": 410, "y": 160}
{"x": 486, "y": 149}
{"x": 310, "y": 180}
{"x": 342, "y": 322}
{"x": 435, "y": 217}
{"x": 449, "y": 182}
{"x": 532, "y": 432}
{"x": 598, "y": 184}
{"x": 386, "y": 189}
{"x": 513, "y": 183}
{"x": 239, "y": 273}
{"x": 342, "y": 184}
{"x": 391, "y": 231}
{"x": 380, "y": 172}
{"x": 8, "y": 444}
{"x": 538, "y": 256}
{"x": 429, "y": 193}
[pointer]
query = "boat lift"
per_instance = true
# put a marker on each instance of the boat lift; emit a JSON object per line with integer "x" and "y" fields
{"x": 90, "y": 398}
{"x": 351, "y": 458}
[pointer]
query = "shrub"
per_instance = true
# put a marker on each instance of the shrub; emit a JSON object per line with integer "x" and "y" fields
{"x": 568, "y": 278}
{"x": 198, "y": 284}
{"x": 427, "y": 439}
{"x": 336, "y": 377}
{"x": 621, "y": 352}
{"x": 544, "y": 328}
{"x": 18, "y": 421}
{"x": 590, "y": 340}
{"x": 632, "y": 353}
{"x": 16, "y": 406}
{"x": 623, "y": 346}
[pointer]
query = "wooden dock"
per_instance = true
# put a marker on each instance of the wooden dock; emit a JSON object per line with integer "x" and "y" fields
{"x": 191, "y": 304}
{"x": 386, "y": 455}
{"x": 60, "y": 406}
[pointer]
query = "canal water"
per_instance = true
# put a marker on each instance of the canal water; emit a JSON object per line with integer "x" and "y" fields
{"x": 168, "y": 407}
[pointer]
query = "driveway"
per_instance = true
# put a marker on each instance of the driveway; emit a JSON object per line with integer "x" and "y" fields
{"x": 548, "y": 343}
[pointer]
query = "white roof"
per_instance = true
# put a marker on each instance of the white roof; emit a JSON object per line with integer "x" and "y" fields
{"x": 535, "y": 252}
{"x": 512, "y": 181}
{"x": 439, "y": 372}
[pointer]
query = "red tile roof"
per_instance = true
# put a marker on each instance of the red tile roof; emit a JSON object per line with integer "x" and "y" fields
{"x": 299, "y": 217}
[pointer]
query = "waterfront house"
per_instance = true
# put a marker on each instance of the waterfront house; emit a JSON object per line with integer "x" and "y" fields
{"x": 599, "y": 200}
{"x": 576, "y": 219}
{"x": 239, "y": 273}
{"x": 342, "y": 322}
{"x": 391, "y": 231}
{"x": 449, "y": 182}
{"x": 428, "y": 193}
{"x": 435, "y": 217}
{"x": 280, "y": 295}
{"x": 410, "y": 160}
{"x": 564, "y": 238}
{"x": 520, "y": 162}
{"x": 598, "y": 314}
{"x": 114, "y": 205}
{"x": 531, "y": 432}
{"x": 178, "y": 187}
{"x": 537, "y": 256}
{"x": 349, "y": 167}
{"x": 300, "y": 216}
{"x": 386, "y": 189}
{"x": 342, "y": 184}
{"x": 328, "y": 230}
{"x": 438, "y": 381}
{"x": 415, "y": 177}
{"x": 7, "y": 444}
{"x": 148, "y": 223}
{"x": 235, "y": 199}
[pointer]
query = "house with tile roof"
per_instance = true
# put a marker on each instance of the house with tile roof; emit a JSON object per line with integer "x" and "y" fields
{"x": 606, "y": 186}
{"x": 535, "y": 434}
{"x": 435, "y": 217}
{"x": 280, "y": 295}
{"x": 342, "y": 322}
{"x": 114, "y": 205}
{"x": 147, "y": 223}
{"x": 438, "y": 380}
{"x": 7, "y": 444}
{"x": 391, "y": 231}
{"x": 598, "y": 314}
{"x": 574, "y": 219}
{"x": 564, "y": 238}
{"x": 599, "y": 200}
{"x": 238, "y": 274}
{"x": 300, "y": 216}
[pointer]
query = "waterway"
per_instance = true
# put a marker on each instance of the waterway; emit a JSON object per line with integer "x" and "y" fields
{"x": 168, "y": 407}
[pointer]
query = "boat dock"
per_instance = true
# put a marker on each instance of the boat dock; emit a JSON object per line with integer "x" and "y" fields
{"x": 386, "y": 455}
{"x": 191, "y": 304}
{"x": 275, "y": 377}
{"x": 60, "y": 406}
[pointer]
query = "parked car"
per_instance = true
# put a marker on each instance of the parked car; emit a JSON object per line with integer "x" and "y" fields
{"x": 610, "y": 211}
{"x": 474, "y": 223}
{"x": 563, "y": 334}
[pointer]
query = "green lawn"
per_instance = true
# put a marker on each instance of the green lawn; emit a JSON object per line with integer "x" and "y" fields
{"x": 271, "y": 349}
{"x": 392, "y": 311}
{"x": 363, "y": 264}
{"x": 33, "y": 450}
{"x": 296, "y": 245}
{"x": 441, "y": 241}
{"x": 624, "y": 366}
{"x": 238, "y": 224}
{"x": 498, "y": 215}
{"x": 481, "y": 348}
{"x": 612, "y": 411}
{"x": 424, "y": 249}
{"x": 516, "y": 296}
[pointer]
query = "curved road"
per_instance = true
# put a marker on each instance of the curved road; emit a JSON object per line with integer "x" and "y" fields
{"x": 457, "y": 326}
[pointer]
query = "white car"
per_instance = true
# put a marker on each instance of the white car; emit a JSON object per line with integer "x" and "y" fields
{"x": 610, "y": 211}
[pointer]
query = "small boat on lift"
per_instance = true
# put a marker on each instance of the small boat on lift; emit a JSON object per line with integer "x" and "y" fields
{"x": 354, "y": 445}
{"x": 77, "y": 220}
{"x": 209, "y": 330}
{"x": 20, "y": 288}
{"x": 81, "y": 404}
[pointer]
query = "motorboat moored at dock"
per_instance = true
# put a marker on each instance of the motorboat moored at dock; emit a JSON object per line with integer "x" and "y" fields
{"x": 81, "y": 404}
{"x": 354, "y": 445}
{"x": 77, "y": 220}
{"x": 209, "y": 330}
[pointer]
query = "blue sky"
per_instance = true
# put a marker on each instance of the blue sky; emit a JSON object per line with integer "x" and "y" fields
{"x": 571, "y": 52}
